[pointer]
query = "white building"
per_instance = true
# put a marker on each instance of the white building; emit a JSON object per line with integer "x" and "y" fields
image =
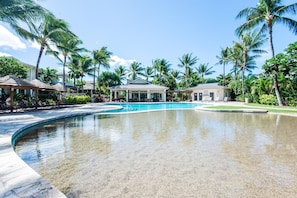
{"x": 209, "y": 92}
{"x": 138, "y": 90}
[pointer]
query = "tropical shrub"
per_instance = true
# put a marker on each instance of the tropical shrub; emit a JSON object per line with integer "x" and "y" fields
{"x": 268, "y": 99}
{"x": 77, "y": 99}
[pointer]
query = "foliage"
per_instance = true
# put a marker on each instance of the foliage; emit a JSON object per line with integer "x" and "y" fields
{"x": 77, "y": 99}
{"x": 48, "y": 75}
{"x": 268, "y": 99}
{"x": 135, "y": 70}
{"x": 203, "y": 70}
{"x": 11, "y": 66}
{"x": 187, "y": 62}
{"x": 100, "y": 57}
{"x": 108, "y": 79}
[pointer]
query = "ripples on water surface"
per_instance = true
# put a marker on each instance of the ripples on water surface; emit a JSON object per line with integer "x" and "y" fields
{"x": 176, "y": 153}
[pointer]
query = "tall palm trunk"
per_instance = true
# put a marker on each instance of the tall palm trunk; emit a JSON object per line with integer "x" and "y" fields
{"x": 270, "y": 40}
{"x": 242, "y": 83}
{"x": 275, "y": 81}
{"x": 224, "y": 78}
{"x": 64, "y": 73}
{"x": 94, "y": 79}
{"x": 38, "y": 62}
{"x": 243, "y": 68}
{"x": 99, "y": 88}
{"x": 82, "y": 86}
{"x": 187, "y": 74}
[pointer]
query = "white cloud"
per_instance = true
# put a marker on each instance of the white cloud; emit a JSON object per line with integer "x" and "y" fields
{"x": 116, "y": 61}
{"x": 10, "y": 40}
{"x": 34, "y": 45}
{"x": 4, "y": 54}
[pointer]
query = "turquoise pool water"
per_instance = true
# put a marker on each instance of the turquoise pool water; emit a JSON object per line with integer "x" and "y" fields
{"x": 138, "y": 107}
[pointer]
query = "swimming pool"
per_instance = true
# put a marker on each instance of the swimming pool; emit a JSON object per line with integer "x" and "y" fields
{"x": 139, "y": 107}
{"x": 176, "y": 153}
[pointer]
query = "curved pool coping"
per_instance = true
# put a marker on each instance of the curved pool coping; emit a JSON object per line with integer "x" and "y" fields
{"x": 243, "y": 110}
{"x": 17, "y": 179}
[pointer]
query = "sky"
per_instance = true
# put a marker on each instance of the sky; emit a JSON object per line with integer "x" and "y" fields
{"x": 145, "y": 30}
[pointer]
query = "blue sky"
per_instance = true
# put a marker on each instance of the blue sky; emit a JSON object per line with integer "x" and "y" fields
{"x": 144, "y": 30}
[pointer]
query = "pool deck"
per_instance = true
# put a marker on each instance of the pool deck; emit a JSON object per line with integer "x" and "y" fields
{"x": 17, "y": 179}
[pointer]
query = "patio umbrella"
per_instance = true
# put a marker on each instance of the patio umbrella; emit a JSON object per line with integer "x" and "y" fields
{"x": 12, "y": 82}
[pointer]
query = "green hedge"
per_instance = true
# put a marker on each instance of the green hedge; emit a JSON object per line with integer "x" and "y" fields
{"x": 77, "y": 99}
{"x": 268, "y": 99}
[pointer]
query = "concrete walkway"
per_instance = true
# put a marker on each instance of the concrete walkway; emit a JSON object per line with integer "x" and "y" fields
{"x": 17, "y": 179}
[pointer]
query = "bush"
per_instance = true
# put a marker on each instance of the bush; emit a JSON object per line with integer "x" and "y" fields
{"x": 77, "y": 99}
{"x": 268, "y": 99}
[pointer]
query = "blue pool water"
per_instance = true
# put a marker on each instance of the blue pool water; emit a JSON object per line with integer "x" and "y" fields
{"x": 137, "y": 107}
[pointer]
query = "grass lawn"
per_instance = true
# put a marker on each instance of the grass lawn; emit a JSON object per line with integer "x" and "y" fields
{"x": 274, "y": 109}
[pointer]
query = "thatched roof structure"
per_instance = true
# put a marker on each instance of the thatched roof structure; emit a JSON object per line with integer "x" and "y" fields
{"x": 11, "y": 81}
{"x": 41, "y": 85}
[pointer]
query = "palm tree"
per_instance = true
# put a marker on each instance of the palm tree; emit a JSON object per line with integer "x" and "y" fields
{"x": 172, "y": 78}
{"x": 74, "y": 68}
{"x": 121, "y": 71}
{"x": 223, "y": 60}
{"x": 204, "y": 70}
{"x": 108, "y": 79}
{"x": 235, "y": 56}
{"x": 48, "y": 75}
{"x": 12, "y": 12}
{"x": 148, "y": 73}
{"x": 135, "y": 69}
{"x": 250, "y": 42}
{"x": 187, "y": 62}
{"x": 47, "y": 33}
{"x": 193, "y": 79}
{"x": 67, "y": 45}
{"x": 224, "y": 79}
{"x": 101, "y": 57}
{"x": 268, "y": 13}
{"x": 84, "y": 67}
{"x": 161, "y": 69}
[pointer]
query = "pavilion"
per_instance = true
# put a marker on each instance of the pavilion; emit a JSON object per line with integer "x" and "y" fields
{"x": 138, "y": 90}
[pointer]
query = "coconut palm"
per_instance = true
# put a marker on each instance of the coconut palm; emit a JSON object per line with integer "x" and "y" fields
{"x": 223, "y": 60}
{"x": 161, "y": 69}
{"x": 249, "y": 45}
{"x": 135, "y": 70}
{"x": 47, "y": 33}
{"x": 12, "y": 12}
{"x": 73, "y": 67}
{"x": 172, "y": 78}
{"x": 268, "y": 13}
{"x": 101, "y": 57}
{"x": 84, "y": 67}
{"x": 224, "y": 79}
{"x": 48, "y": 75}
{"x": 235, "y": 56}
{"x": 204, "y": 70}
{"x": 148, "y": 73}
{"x": 187, "y": 61}
{"x": 67, "y": 45}
{"x": 121, "y": 71}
